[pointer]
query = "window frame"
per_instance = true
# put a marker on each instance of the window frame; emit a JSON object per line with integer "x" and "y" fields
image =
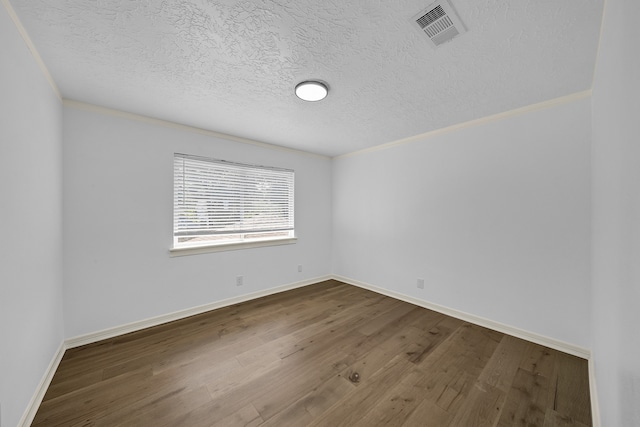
{"x": 244, "y": 178}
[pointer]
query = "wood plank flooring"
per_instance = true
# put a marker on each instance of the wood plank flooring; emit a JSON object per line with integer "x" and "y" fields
{"x": 329, "y": 354}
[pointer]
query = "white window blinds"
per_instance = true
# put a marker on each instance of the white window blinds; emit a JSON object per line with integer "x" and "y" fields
{"x": 220, "y": 198}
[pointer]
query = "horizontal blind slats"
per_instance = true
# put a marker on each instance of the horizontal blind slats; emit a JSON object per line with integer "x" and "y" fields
{"x": 214, "y": 197}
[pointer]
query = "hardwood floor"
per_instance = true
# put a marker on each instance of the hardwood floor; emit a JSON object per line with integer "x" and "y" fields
{"x": 329, "y": 354}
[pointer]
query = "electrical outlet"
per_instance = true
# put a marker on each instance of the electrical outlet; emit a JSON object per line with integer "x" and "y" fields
{"x": 420, "y": 284}
{"x": 299, "y": 268}
{"x": 239, "y": 281}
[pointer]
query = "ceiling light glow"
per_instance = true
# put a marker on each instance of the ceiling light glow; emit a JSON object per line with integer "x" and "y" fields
{"x": 312, "y": 90}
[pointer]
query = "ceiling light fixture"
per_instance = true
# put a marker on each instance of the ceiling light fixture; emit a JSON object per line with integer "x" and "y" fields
{"x": 312, "y": 90}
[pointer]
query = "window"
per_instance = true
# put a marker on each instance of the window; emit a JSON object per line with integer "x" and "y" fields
{"x": 216, "y": 202}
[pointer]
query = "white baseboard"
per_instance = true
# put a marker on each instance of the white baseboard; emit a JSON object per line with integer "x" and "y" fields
{"x": 477, "y": 320}
{"x": 506, "y": 329}
{"x": 581, "y": 352}
{"x": 181, "y": 314}
{"x": 593, "y": 392}
{"x": 36, "y": 400}
{"x": 471, "y": 318}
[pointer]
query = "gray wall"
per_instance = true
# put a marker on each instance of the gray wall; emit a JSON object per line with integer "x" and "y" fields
{"x": 494, "y": 217}
{"x": 616, "y": 218}
{"x": 31, "y": 328}
{"x": 118, "y": 223}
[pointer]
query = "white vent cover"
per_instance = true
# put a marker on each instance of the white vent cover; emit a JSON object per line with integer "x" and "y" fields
{"x": 439, "y": 22}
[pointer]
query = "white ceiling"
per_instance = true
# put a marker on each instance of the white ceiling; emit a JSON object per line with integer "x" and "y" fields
{"x": 231, "y": 66}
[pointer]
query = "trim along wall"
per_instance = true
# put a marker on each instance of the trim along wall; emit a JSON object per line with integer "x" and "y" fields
{"x": 89, "y": 338}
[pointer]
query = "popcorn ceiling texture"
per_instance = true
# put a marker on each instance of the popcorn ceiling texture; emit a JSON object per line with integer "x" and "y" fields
{"x": 231, "y": 66}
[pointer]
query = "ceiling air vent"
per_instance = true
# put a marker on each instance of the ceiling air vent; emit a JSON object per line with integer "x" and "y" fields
{"x": 439, "y": 22}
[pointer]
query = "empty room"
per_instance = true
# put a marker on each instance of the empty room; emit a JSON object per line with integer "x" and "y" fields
{"x": 276, "y": 213}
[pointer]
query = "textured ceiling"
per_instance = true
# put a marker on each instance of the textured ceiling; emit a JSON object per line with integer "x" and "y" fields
{"x": 231, "y": 66}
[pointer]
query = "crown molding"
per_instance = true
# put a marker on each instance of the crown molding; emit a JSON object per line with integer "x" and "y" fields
{"x": 477, "y": 122}
{"x": 32, "y": 48}
{"x": 79, "y": 105}
{"x": 597, "y": 61}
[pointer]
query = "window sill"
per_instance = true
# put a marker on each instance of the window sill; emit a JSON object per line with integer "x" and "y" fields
{"x": 195, "y": 250}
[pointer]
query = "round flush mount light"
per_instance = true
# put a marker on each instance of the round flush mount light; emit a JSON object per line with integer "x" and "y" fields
{"x": 312, "y": 90}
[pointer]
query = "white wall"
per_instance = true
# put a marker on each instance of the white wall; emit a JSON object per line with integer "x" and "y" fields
{"x": 31, "y": 328}
{"x": 494, "y": 217}
{"x": 118, "y": 219}
{"x": 616, "y": 220}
